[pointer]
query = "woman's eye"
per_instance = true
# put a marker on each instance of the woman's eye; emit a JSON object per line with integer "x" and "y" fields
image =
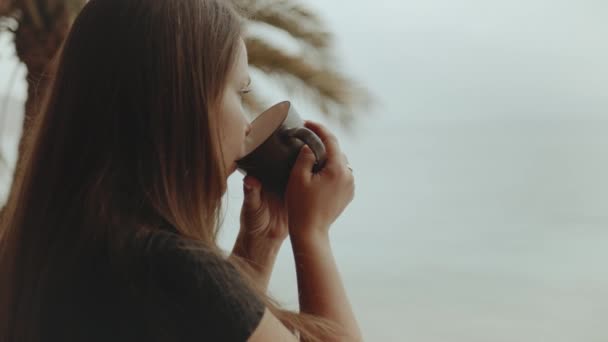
{"x": 243, "y": 93}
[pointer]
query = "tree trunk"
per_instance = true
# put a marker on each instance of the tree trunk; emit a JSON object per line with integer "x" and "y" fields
{"x": 36, "y": 47}
{"x": 37, "y": 40}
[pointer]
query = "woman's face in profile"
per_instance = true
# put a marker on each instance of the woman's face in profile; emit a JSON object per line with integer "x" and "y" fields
{"x": 234, "y": 124}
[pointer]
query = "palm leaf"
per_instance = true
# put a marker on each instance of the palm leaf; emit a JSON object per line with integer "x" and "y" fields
{"x": 310, "y": 72}
{"x": 333, "y": 93}
{"x": 290, "y": 17}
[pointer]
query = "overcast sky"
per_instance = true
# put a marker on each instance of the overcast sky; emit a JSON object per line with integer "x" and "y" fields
{"x": 445, "y": 59}
{"x": 477, "y": 59}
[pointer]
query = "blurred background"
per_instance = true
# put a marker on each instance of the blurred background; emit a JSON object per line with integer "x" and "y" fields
{"x": 480, "y": 151}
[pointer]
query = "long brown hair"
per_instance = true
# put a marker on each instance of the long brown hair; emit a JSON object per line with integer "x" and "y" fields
{"x": 125, "y": 139}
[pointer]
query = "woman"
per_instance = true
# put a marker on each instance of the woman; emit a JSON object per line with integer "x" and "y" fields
{"x": 110, "y": 230}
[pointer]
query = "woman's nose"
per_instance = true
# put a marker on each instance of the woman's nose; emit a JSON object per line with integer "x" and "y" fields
{"x": 247, "y": 129}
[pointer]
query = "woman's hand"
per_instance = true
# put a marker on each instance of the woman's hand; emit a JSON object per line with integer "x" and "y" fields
{"x": 315, "y": 200}
{"x": 264, "y": 227}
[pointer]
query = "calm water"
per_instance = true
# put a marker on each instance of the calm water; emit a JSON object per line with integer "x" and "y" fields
{"x": 472, "y": 231}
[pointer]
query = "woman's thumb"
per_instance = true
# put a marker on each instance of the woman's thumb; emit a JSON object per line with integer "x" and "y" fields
{"x": 305, "y": 162}
{"x": 251, "y": 189}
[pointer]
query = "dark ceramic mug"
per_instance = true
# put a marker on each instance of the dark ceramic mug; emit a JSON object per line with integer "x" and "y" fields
{"x": 273, "y": 145}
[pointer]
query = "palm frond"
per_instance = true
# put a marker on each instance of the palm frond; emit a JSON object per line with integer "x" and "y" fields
{"x": 300, "y": 12}
{"x": 332, "y": 92}
{"x": 290, "y": 17}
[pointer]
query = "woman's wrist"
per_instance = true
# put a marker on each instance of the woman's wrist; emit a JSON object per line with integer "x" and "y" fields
{"x": 309, "y": 238}
{"x": 260, "y": 255}
{"x": 259, "y": 251}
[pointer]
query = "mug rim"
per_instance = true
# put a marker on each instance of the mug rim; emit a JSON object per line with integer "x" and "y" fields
{"x": 261, "y": 135}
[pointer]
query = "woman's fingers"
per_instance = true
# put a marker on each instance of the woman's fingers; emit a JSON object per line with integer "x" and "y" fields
{"x": 332, "y": 147}
{"x": 252, "y": 191}
{"x": 328, "y": 138}
{"x": 345, "y": 159}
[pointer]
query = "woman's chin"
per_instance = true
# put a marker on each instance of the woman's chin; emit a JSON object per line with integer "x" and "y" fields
{"x": 231, "y": 170}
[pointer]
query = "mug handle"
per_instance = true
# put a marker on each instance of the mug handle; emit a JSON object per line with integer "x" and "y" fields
{"x": 313, "y": 141}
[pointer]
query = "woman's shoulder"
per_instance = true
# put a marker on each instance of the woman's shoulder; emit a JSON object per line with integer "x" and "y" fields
{"x": 162, "y": 247}
{"x": 172, "y": 262}
{"x": 197, "y": 286}
{"x": 168, "y": 252}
